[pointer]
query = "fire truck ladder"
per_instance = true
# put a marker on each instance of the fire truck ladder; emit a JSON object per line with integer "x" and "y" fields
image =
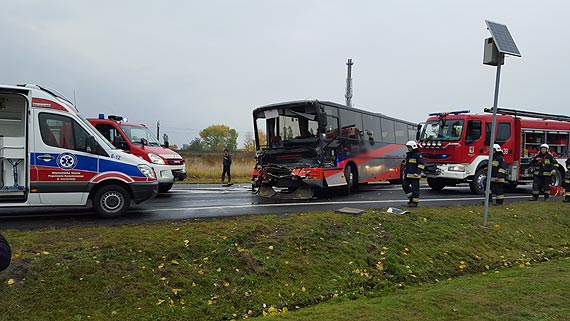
{"x": 531, "y": 114}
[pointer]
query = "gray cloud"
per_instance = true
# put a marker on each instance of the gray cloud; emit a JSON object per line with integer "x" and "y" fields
{"x": 192, "y": 64}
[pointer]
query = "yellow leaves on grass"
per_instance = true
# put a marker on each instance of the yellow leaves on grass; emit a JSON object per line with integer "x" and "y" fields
{"x": 174, "y": 262}
{"x": 274, "y": 311}
{"x": 462, "y": 265}
{"x": 10, "y": 282}
{"x": 379, "y": 266}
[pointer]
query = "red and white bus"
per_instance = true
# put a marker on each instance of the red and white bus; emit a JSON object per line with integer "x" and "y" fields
{"x": 314, "y": 144}
{"x": 458, "y": 143}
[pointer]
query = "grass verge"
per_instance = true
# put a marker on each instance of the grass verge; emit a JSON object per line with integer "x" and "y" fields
{"x": 249, "y": 266}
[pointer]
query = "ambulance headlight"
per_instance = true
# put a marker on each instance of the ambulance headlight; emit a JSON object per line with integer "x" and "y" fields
{"x": 147, "y": 171}
{"x": 155, "y": 159}
{"x": 456, "y": 168}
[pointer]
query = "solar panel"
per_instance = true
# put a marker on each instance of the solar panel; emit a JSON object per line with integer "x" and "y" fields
{"x": 502, "y": 37}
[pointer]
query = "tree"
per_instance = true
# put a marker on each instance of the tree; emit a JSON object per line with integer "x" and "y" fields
{"x": 195, "y": 145}
{"x": 218, "y": 137}
{"x": 249, "y": 144}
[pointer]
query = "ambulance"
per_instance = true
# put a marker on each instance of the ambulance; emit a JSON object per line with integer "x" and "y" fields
{"x": 51, "y": 156}
{"x": 138, "y": 140}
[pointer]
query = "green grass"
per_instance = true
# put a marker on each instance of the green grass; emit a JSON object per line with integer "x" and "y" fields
{"x": 246, "y": 266}
{"x": 539, "y": 292}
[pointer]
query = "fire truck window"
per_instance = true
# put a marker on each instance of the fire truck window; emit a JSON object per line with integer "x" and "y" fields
{"x": 109, "y": 131}
{"x": 61, "y": 131}
{"x": 388, "y": 131}
{"x": 473, "y": 131}
{"x": 502, "y": 135}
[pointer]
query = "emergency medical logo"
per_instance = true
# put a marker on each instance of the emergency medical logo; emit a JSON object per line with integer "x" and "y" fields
{"x": 66, "y": 161}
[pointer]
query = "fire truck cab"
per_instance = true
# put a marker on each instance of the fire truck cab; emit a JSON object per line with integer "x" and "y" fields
{"x": 457, "y": 143}
{"x": 51, "y": 156}
{"x": 138, "y": 140}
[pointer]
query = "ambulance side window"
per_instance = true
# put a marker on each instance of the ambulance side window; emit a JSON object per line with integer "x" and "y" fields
{"x": 61, "y": 131}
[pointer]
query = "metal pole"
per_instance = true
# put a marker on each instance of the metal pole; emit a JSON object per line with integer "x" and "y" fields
{"x": 158, "y": 130}
{"x": 348, "y": 94}
{"x": 493, "y": 124}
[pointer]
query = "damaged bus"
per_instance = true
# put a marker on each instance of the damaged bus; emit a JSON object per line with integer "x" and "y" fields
{"x": 305, "y": 146}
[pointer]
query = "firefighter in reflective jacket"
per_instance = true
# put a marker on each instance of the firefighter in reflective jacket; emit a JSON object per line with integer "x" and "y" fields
{"x": 414, "y": 164}
{"x": 567, "y": 182}
{"x": 542, "y": 169}
{"x": 498, "y": 174}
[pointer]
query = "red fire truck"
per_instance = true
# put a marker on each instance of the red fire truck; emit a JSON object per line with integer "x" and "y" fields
{"x": 457, "y": 143}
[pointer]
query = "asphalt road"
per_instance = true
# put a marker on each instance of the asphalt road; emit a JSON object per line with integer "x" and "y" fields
{"x": 187, "y": 202}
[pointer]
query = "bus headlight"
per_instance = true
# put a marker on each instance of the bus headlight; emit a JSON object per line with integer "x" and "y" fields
{"x": 155, "y": 159}
{"x": 147, "y": 171}
{"x": 456, "y": 168}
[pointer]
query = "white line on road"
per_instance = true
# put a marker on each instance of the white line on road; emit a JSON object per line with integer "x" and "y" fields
{"x": 315, "y": 203}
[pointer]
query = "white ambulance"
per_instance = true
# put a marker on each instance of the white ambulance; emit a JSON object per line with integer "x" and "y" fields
{"x": 51, "y": 156}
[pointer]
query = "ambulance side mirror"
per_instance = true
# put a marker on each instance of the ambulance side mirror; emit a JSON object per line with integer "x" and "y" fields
{"x": 90, "y": 144}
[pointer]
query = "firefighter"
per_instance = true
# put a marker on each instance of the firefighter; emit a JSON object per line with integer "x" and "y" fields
{"x": 498, "y": 174}
{"x": 567, "y": 182}
{"x": 542, "y": 169}
{"x": 414, "y": 164}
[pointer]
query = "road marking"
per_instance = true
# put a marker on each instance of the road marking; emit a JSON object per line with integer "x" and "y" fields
{"x": 317, "y": 203}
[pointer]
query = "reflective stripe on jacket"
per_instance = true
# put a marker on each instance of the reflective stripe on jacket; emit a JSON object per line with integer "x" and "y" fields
{"x": 498, "y": 168}
{"x": 414, "y": 164}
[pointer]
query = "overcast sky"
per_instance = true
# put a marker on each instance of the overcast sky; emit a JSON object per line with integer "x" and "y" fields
{"x": 192, "y": 64}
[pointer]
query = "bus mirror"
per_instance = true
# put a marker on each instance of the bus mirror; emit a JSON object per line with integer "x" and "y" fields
{"x": 144, "y": 142}
{"x": 322, "y": 121}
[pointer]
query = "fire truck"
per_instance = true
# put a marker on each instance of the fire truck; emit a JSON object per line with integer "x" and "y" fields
{"x": 457, "y": 144}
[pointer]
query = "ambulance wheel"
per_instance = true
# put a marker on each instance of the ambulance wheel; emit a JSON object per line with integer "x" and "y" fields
{"x": 111, "y": 201}
{"x": 163, "y": 188}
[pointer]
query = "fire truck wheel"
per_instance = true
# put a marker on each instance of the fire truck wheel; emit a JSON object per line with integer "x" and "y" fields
{"x": 435, "y": 184}
{"x": 163, "y": 188}
{"x": 557, "y": 178}
{"x": 111, "y": 201}
{"x": 477, "y": 186}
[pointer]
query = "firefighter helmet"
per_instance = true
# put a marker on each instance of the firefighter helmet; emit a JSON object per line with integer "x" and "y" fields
{"x": 545, "y": 146}
{"x": 497, "y": 148}
{"x": 412, "y": 144}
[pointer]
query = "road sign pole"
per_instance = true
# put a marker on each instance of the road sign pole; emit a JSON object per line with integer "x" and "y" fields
{"x": 492, "y": 142}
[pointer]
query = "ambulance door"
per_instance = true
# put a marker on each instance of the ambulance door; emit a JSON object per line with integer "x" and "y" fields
{"x": 64, "y": 168}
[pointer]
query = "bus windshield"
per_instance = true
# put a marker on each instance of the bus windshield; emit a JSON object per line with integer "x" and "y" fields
{"x": 287, "y": 127}
{"x": 450, "y": 130}
{"x": 135, "y": 133}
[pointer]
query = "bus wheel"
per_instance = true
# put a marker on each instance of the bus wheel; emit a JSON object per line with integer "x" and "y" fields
{"x": 435, "y": 184}
{"x": 111, "y": 201}
{"x": 163, "y": 188}
{"x": 477, "y": 186}
{"x": 350, "y": 176}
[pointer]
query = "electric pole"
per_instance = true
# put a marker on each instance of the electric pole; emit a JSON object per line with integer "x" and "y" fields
{"x": 348, "y": 94}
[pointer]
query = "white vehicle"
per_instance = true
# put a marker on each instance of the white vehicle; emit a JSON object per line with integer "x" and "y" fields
{"x": 51, "y": 156}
